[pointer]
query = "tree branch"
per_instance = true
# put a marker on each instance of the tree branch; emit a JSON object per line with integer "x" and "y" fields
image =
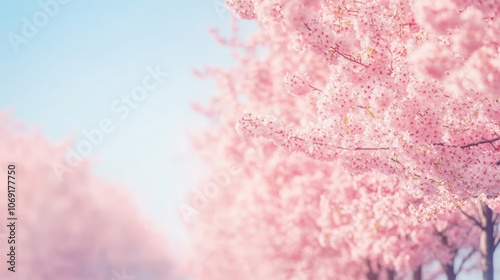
{"x": 340, "y": 147}
{"x": 465, "y": 259}
{"x": 497, "y": 240}
{"x": 490, "y": 141}
{"x": 347, "y": 56}
{"x": 471, "y": 218}
{"x": 485, "y": 141}
{"x": 315, "y": 88}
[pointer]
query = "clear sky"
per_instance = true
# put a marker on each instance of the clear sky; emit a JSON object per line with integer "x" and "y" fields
{"x": 65, "y": 75}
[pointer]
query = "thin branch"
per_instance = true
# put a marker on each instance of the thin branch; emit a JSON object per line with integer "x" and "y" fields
{"x": 370, "y": 149}
{"x": 347, "y": 56}
{"x": 340, "y": 147}
{"x": 471, "y": 253}
{"x": 408, "y": 23}
{"x": 444, "y": 238}
{"x": 315, "y": 88}
{"x": 356, "y": 149}
{"x": 497, "y": 240}
{"x": 350, "y": 58}
{"x": 349, "y": 10}
{"x": 397, "y": 161}
{"x": 307, "y": 26}
{"x": 471, "y": 218}
{"x": 444, "y": 241}
{"x": 485, "y": 141}
{"x": 491, "y": 141}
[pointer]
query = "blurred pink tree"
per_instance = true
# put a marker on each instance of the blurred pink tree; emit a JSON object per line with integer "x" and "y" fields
{"x": 289, "y": 217}
{"x": 386, "y": 88}
{"x": 76, "y": 226}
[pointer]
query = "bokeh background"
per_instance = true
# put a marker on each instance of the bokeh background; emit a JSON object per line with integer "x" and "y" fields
{"x": 63, "y": 81}
{"x": 65, "y": 78}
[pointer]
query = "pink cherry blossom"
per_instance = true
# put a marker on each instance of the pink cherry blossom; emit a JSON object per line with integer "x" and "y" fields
{"x": 401, "y": 93}
{"x": 77, "y": 226}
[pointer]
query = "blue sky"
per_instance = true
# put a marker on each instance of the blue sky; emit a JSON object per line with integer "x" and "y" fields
{"x": 89, "y": 53}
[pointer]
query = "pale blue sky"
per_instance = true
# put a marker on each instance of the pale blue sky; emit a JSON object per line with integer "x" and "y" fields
{"x": 87, "y": 55}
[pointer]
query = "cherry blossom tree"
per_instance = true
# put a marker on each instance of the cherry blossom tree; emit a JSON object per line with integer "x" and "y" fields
{"x": 74, "y": 227}
{"x": 289, "y": 217}
{"x": 371, "y": 215}
{"x": 407, "y": 88}
{"x": 404, "y": 89}
{"x": 377, "y": 106}
{"x": 263, "y": 224}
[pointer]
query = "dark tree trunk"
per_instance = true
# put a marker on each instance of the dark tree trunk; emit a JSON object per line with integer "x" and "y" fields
{"x": 450, "y": 272}
{"x": 417, "y": 274}
{"x": 391, "y": 274}
{"x": 487, "y": 244}
{"x": 370, "y": 275}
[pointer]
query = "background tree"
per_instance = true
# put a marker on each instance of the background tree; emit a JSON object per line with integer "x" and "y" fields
{"x": 78, "y": 227}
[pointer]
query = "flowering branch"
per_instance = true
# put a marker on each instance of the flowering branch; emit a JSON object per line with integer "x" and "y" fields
{"x": 485, "y": 141}
{"x": 347, "y": 56}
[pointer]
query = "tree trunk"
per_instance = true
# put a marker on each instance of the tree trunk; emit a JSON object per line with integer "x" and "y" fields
{"x": 417, "y": 274}
{"x": 487, "y": 244}
{"x": 391, "y": 274}
{"x": 450, "y": 272}
{"x": 370, "y": 275}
